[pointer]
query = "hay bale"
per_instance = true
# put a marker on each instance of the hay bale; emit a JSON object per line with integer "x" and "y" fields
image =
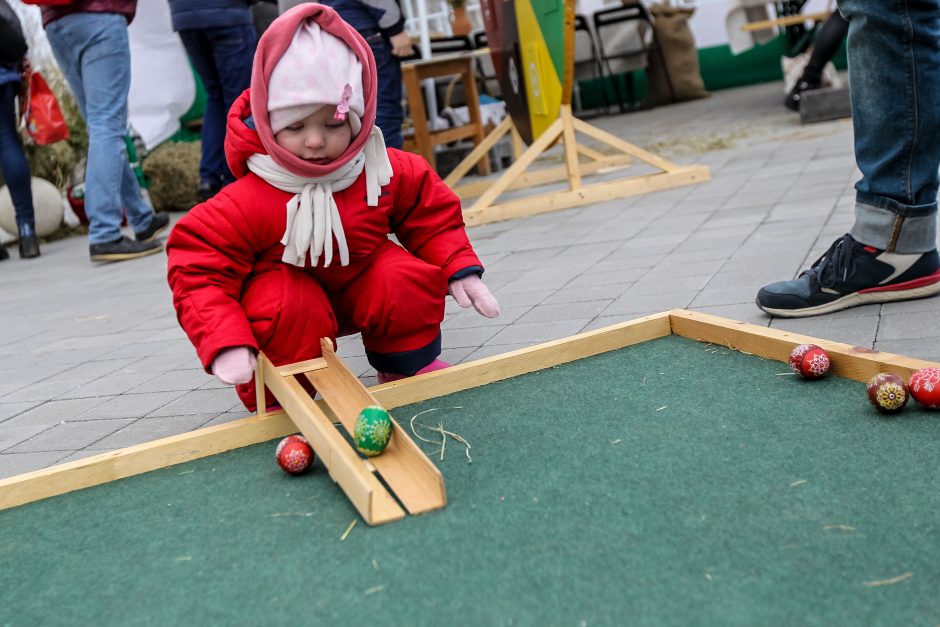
{"x": 55, "y": 163}
{"x": 172, "y": 172}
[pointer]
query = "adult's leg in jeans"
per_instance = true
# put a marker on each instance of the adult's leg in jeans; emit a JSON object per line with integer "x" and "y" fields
{"x": 93, "y": 53}
{"x": 894, "y": 76}
{"x": 12, "y": 160}
{"x": 388, "y": 115}
{"x": 199, "y": 50}
{"x": 233, "y": 50}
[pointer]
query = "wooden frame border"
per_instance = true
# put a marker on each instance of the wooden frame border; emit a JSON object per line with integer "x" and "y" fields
{"x": 853, "y": 362}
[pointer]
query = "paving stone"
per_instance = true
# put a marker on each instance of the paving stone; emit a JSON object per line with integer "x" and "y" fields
{"x": 69, "y": 436}
{"x": 131, "y": 405}
{"x": 9, "y": 410}
{"x": 194, "y": 402}
{"x": 918, "y": 348}
{"x": 631, "y": 306}
{"x": 536, "y": 333}
{"x": 152, "y": 428}
{"x": 857, "y": 331}
{"x": 171, "y": 381}
{"x": 55, "y": 412}
{"x": 11, "y": 435}
{"x": 913, "y": 325}
{"x": 12, "y": 464}
{"x": 583, "y": 310}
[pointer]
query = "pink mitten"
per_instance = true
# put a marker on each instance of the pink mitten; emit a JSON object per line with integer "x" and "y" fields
{"x": 470, "y": 290}
{"x": 235, "y": 365}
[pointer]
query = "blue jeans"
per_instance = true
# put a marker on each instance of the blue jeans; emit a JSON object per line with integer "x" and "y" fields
{"x": 93, "y": 53}
{"x": 222, "y": 56}
{"x": 388, "y": 115}
{"x": 12, "y": 160}
{"x": 894, "y": 77}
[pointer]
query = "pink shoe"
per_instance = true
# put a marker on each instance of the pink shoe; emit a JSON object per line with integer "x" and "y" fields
{"x": 388, "y": 377}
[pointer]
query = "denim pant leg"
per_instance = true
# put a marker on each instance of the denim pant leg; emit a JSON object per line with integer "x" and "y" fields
{"x": 389, "y": 115}
{"x": 222, "y": 56}
{"x": 894, "y": 76}
{"x": 12, "y": 160}
{"x": 93, "y": 53}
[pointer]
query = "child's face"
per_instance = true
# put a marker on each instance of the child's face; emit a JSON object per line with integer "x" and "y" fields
{"x": 318, "y": 138}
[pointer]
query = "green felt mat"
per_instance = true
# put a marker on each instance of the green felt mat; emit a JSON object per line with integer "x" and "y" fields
{"x": 666, "y": 483}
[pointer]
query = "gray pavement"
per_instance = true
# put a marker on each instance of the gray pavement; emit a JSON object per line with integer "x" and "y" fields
{"x": 92, "y": 358}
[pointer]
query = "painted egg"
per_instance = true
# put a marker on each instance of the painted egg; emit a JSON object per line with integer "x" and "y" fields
{"x": 372, "y": 431}
{"x": 294, "y": 455}
{"x": 887, "y": 392}
{"x": 809, "y": 361}
{"x": 925, "y": 387}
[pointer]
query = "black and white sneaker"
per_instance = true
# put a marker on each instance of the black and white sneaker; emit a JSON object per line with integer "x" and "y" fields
{"x": 851, "y": 274}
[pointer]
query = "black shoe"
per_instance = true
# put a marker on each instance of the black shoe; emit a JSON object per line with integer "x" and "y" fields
{"x": 792, "y": 101}
{"x": 3, "y": 253}
{"x": 207, "y": 190}
{"x": 158, "y": 224}
{"x": 851, "y": 274}
{"x": 123, "y": 249}
{"x": 29, "y": 242}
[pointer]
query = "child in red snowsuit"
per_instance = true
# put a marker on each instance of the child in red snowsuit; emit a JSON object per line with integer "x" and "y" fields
{"x": 297, "y": 247}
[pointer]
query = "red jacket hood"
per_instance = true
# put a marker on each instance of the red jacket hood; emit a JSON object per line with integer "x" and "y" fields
{"x": 241, "y": 141}
{"x": 271, "y": 48}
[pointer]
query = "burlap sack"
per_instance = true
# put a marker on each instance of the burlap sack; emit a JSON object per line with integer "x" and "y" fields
{"x": 674, "y": 75}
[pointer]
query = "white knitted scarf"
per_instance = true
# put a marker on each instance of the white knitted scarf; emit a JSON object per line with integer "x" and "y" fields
{"x": 312, "y": 215}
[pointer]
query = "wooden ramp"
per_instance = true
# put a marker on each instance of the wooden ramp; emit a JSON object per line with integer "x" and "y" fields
{"x": 409, "y": 481}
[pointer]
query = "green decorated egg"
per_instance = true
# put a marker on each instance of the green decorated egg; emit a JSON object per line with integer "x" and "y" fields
{"x": 373, "y": 430}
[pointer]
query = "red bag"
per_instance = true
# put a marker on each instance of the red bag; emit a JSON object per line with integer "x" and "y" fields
{"x": 42, "y": 116}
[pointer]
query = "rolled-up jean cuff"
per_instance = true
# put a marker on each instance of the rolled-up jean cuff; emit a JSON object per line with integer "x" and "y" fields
{"x": 875, "y": 226}
{"x": 882, "y": 202}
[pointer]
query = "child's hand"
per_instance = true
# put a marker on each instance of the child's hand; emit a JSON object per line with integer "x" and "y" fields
{"x": 470, "y": 290}
{"x": 235, "y": 365}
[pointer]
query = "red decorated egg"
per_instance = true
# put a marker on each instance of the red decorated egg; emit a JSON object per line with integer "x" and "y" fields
{"x": 294, "y": 454}
{"x": 925, "y": 387}
{"x": 887, "y": 392}
{"x": 809, "y": 361}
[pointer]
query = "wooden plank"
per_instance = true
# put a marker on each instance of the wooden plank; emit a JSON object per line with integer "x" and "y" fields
{"x": 365, "y": 492}
{"x": 598, "y": 192}
{"x": 630, "y": 149}
{"x": 404, "y": 467}
{"x": 135, "y": 460}
{"x": 570, "y": 146}
{"x": 479, "y": 151}
{"x": 787, "y": 20}
{"x": 517, "y": 168}
{"x": 522, "y": 361}
{"x": 302, "y": 366}
{"x": 541, "y": 176}
{"x": 859, "y": 363}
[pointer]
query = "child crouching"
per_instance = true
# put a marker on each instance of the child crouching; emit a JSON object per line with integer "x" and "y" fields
{"x": 297, "y": 247}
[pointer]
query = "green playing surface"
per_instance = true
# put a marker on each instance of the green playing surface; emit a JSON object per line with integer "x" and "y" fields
{"x": 665, "y": 483}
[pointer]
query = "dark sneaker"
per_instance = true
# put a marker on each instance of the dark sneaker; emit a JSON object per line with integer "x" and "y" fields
{"x": 851, "y": 274}
{"x": 792, "y": 101}
{"x": 157, "y": 225}
{"x": 123, "y": 249}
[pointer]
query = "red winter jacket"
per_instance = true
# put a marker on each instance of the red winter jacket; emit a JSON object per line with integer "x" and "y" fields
{"x": 220, "y": 243}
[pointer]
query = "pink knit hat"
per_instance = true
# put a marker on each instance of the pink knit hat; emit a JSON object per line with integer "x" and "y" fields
{"x": 306, "y": 59}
